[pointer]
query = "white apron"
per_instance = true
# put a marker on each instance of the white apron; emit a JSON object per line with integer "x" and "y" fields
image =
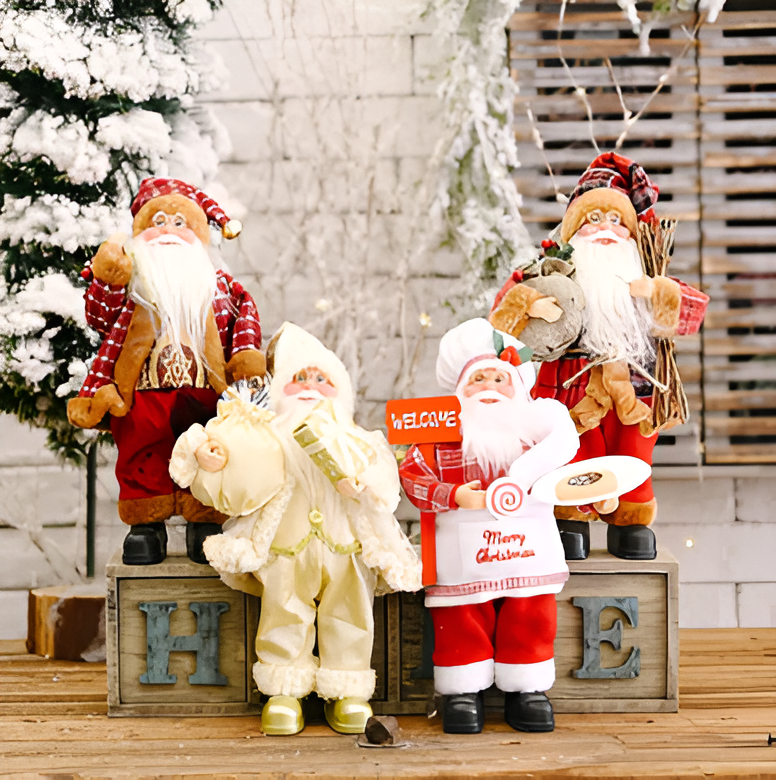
{"x": 481, "y": 557}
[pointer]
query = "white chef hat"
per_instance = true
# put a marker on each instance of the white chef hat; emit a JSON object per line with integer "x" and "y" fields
{"x": 476, "y": 344}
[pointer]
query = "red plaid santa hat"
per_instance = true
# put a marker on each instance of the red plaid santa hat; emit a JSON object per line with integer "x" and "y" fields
{"x": 151, "y": 189}
{"x": 611, "y": 181}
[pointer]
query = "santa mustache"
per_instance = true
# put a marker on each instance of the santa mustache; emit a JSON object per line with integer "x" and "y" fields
{"x": 165, "y": 238}
{"x": 605, "y": 233}
{"x": 489, "y": 395}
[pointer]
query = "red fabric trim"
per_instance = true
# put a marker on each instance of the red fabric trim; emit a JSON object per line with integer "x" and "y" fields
{"x": 515, "y": 278}
{"x": 495, "y": 586}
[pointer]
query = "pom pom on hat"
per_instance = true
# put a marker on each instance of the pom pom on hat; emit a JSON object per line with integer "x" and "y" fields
{"x": 476, "y": 343}
{"x": 154, "y": 188}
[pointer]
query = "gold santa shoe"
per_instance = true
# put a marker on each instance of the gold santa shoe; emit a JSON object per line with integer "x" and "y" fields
{"x": 348, "y": 715}
{"x": 282, "y": 716}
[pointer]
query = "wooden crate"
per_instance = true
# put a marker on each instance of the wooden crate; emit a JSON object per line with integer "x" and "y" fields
{"x": 656, "y": 636}
{"x": 178, "y": 581}
{"x": 653, "y": 584}
{"x": 403, "y": 641}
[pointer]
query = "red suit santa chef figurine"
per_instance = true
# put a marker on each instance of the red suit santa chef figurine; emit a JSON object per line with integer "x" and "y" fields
{"x": 176, "y": 331}
{"x": 493, "y": 606}
{"x": 602, "y": 373}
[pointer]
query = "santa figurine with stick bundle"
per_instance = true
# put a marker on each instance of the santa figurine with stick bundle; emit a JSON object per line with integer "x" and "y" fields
{"x": 176, "y": 331}
{"x": 599, "y": 311}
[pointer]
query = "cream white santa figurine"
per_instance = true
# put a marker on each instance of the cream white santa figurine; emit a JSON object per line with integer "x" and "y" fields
{"x": 311, "y": 497}
{"x": 499, "y": 565}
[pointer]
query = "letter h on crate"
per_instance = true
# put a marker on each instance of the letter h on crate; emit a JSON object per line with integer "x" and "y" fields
{"x": 180, "y": 642}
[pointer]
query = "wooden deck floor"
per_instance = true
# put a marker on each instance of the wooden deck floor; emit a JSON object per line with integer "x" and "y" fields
{"x": 53, "y": 725}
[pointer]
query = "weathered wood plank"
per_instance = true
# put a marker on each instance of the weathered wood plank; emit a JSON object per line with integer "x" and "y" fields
{"x": 740, "y": 399}
{"x": 725, "y": 75}
{"x": 561, "y": 103}
{"x": 607, "y": 130}
{"x": 740, "y": 453}
{"x": 588, "y": 21}
{"x": 591, "y": 48}
{"x": 633, "y": 76}
{"x": 740, "y": 426}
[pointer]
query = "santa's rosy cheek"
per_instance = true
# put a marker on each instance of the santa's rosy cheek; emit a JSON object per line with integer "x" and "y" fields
{"x": 328, "y": 390}
{"x": 184, "y": 233}
{"x": 149, "y": 234}
{"x": 507, "y": 390}
{"x": 294, "y": 388}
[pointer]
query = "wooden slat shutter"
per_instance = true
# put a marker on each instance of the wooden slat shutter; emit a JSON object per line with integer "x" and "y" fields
{"x": 665, "y": 141}
{"x": 737, "y": 87}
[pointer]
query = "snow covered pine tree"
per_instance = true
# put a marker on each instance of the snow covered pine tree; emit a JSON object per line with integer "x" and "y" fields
{"x": 94, "y": 97}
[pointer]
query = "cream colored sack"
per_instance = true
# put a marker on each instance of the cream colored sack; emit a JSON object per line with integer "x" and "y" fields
{"x": 254, "y": 472}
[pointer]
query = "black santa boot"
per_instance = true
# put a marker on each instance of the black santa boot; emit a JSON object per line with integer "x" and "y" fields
{"x": 529, "y": 711}
{"x": 196, "y": 533}
{"x": 145, "y": 545}
{"x": 463, "y": 713}
{"x": 575, "y": 535}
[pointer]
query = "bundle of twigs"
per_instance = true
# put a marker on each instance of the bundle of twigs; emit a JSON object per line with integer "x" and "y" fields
{"x": 669, "y": 402}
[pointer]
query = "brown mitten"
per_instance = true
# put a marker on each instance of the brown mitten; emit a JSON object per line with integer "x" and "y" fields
{"x": 110, "y": 264}
{"x": 511, "y": 315}
{"x": 245, "y": 364}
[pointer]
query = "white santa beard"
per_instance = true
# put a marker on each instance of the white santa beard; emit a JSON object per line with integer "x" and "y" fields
{"x": 493, "y": 434}
{"x": 176, "y": 282}
{"x": 292, "y": 411}
{"x": 615, "y": 325}
{"x": 310, "y": 478}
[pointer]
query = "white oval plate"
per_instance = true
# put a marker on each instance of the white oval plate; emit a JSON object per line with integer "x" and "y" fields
{"x": 629, "y": 473}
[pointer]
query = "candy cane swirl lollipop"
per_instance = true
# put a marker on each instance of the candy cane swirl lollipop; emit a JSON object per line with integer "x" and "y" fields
{"x": 504, "y": 498}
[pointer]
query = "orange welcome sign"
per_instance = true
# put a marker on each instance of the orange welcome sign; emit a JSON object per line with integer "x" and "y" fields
{"x": 423, "y": 420}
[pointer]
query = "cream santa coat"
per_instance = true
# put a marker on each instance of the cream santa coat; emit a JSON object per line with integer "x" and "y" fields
{"x": 313, "y": 555}
{"x": 256, "y": 490}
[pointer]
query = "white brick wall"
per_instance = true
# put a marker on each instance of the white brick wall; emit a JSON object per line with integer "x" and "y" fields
{"x": 386, "y": 52}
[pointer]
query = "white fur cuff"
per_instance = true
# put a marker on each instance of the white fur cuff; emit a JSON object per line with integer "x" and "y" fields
{"x": 341, "y": 684}
{"x": 279, "y": 680}
{"x": 525, "y": 678}
{"x": 467, "y": 678}
{"x": 232, "y": 555}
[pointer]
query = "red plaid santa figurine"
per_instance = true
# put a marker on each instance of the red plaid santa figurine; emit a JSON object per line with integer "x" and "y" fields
{"x": 598, "y": 343}
{"x": 493, "y": 604}
{"x": 176, "y": 331}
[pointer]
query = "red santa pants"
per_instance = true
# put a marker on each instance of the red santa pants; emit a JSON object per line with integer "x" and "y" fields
{"x": 509, "y": 641}
{"x": 611, "y": 437}
{"x": 145, "y": 438}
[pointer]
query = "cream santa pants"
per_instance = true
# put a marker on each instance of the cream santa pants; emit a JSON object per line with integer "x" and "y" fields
{"x": 338, "y": 589}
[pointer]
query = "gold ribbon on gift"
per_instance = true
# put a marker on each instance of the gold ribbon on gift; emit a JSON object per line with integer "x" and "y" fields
{"x": 338, "y": 453}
